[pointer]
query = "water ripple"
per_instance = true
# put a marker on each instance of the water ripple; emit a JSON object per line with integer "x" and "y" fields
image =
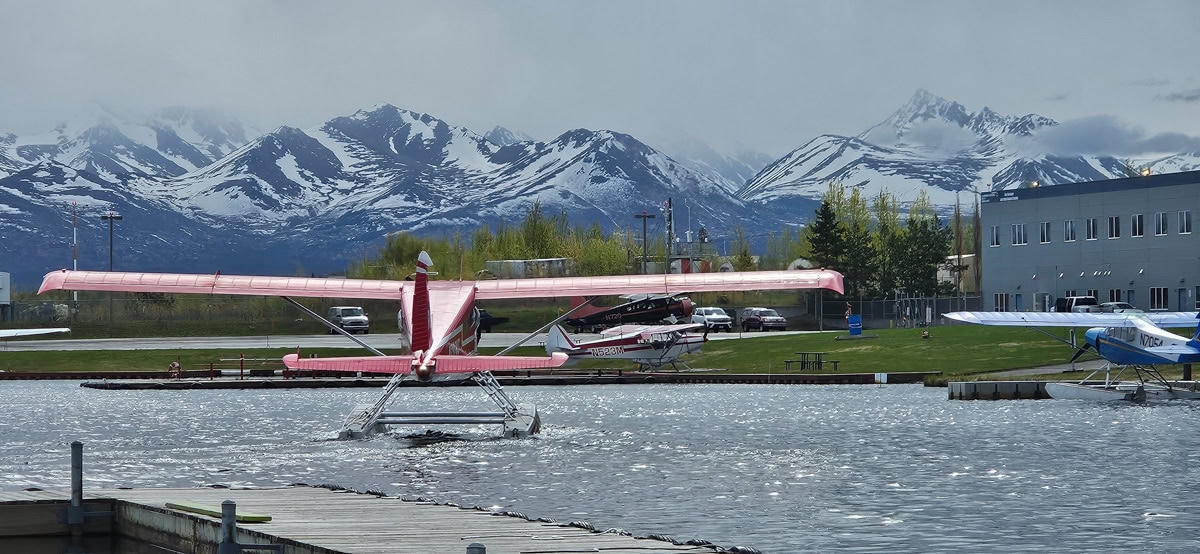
{"x": 779, "y": 468}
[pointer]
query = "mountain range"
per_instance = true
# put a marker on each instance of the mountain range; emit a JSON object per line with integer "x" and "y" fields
{"x": 199, "y": 191}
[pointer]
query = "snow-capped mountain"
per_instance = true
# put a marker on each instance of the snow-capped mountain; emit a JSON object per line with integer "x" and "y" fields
{"x": 504, "y": 137}
{"x": 731, "y": 170}
{"x": 199, "y": 194}
{"x": 1176, "y": 163}
{"x": 931, "y": 146}
{"x": 169, "y": 142}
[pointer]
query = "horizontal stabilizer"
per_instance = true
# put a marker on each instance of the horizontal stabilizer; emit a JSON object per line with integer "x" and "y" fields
{"x": 471, "y": 364}
{"x": 366, "y": 364}
{"x": 442, "y": 364}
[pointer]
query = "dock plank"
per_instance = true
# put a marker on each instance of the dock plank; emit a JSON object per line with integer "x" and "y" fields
{"x": 346, "y": 521}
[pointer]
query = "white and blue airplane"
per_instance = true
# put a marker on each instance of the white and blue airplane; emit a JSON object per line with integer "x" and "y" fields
{"x": 1129, "y": 340}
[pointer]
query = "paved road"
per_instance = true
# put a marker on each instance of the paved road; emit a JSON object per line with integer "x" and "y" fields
{"x": 379, "y": 341}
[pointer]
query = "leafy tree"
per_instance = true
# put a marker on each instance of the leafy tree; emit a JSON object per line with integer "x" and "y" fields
{"x": 742, "y": 260}
{"x": 859, "y": 256}
{"x": 888, "y": 239}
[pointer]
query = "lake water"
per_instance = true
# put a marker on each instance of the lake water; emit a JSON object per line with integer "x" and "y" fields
{"x": 779, "y": 468}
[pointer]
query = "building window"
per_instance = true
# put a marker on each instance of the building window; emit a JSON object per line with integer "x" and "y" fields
{"x": 1001, "y": 300}
{"x": 1069, "y": 230}
{"x": 1069, "y": 292}
{"x": 1135, "y": 226}
{"x": 1114, "y": 295}
{"x": 1161, "y": 225}
{"x": 1045, "y": 232}
{"x": 1091, "y": 228}
{"x": 1114, "y": 226}
{"x": 1185, "y": 222}
{"x": 1158, "y": 298}
{"x": 995, "y": 235}
{"x": 1018, "y": 234}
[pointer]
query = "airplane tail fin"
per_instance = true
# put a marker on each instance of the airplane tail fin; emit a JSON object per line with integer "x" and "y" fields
{"x": 1195, "y": 342}
{"x": 558, "y": 341}
{"x": 420, "y": 316}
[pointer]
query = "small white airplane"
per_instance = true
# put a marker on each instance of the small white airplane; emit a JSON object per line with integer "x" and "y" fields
{"x": 1136, "y": 341}
{"x": 6, "y": 333}
{"x": 652, "y": 346}
{"x": 440, "y": 322}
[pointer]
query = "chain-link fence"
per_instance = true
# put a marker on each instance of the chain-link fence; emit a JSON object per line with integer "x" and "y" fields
{"x": 896, "y": 312}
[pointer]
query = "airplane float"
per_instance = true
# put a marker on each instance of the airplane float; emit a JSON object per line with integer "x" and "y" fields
{"x": 440, "y": 323}
{"x": 1137, "y": 341}
{"x": 641, "y": 308}
{"x": 652, "y": 346}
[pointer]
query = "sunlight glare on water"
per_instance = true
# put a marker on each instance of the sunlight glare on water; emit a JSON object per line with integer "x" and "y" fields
{"x": 779, "y": 468}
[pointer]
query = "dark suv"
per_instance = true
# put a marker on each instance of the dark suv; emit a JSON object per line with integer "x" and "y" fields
{"x": 762, "y": 319}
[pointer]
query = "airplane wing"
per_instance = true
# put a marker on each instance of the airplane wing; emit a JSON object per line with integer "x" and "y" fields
{"x": 5, "y": 333}
{"x": 667, "y": 284}
{"x": 1074, "y": 319}
{"x": 252, "y": 285}
{"x": 404, "y": 364}
{"x": 622, "y": 330}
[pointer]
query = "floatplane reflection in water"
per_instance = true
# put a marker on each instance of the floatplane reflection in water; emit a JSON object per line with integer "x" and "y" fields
{"x": 440, "y": 321}
{"x": 1133, "y": 342}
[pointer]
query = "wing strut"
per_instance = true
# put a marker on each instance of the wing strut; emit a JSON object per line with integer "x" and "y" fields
{"x": 330, "y": 325}
{"x": 543, "y": 328}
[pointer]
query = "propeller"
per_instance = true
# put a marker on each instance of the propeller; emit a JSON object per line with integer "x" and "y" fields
{"x": 1080, "y": 352}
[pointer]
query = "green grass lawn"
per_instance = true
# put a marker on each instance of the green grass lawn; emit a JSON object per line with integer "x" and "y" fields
{"x": 959, "y": 350}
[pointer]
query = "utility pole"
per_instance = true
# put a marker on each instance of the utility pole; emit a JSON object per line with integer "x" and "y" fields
{"x": 110, "y": 217}
{"x": 644, "y": 216}
{"x": 670, "y": 237}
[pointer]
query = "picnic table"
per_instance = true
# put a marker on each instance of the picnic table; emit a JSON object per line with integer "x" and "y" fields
{"x": 809, "y": 361}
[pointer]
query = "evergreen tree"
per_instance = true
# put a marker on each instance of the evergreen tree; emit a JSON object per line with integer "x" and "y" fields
{"x": 826, "y": 237}
{"x": 926, "y": 245}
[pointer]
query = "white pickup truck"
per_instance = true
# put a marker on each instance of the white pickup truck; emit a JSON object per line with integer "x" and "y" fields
{"x": 1076, "y": 304}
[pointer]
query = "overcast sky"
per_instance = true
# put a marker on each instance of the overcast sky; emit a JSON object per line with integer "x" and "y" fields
{"x": 766, "y": 75}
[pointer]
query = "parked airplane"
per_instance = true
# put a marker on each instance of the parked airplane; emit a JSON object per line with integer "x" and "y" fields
{"x": 647, "y": 345}
{"x": 640, "y": 309}
{"x": 1137, "y": 341}
{"x": 440, "y": 322}
{"x": 6, "y": 333}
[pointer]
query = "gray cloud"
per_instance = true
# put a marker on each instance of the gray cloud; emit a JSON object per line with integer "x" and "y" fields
{"x": 940, "y": 138}
{"x": 769, "y": 74}
{"x": 1189, "y": 96}
{"x": 1105, "y": 135}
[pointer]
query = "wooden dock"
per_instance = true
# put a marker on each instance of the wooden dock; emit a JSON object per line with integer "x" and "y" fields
{"x": 318, "y": 520}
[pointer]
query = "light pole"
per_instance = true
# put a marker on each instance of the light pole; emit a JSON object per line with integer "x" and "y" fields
{"x": 110, "y": 217}
{"x": 644, "y": 216}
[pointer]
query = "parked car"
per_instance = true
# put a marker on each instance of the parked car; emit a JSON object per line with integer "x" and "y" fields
{"x": 762, "y": 319}
{"x": 715, "y": 319}
{"x": 351, "y": 319}
{"x": 1118, "y": 308}
{"x": 1076, "y": 304}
